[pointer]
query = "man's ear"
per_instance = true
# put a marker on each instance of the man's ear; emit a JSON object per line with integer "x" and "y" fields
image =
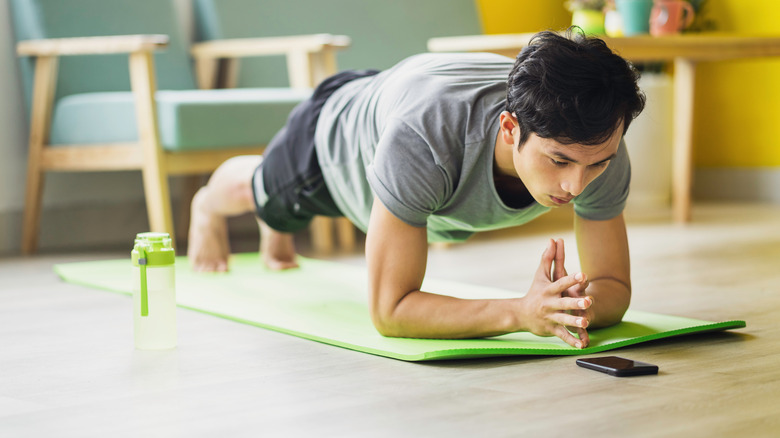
{"x": 508, "y": 127}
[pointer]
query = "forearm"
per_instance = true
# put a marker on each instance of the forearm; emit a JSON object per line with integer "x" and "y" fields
{"x": 611, "y": 298}
{"x": 425, "y": 315}
{"x": 604, "y": 257}
{"x": 396, "y": 254}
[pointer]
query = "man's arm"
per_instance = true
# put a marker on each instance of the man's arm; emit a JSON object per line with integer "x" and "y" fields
{"x": 603, "y": 251}
{"x": 397, "y": 255}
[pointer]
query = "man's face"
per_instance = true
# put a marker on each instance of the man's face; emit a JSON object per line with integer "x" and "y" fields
{"x": 554, "y": 173}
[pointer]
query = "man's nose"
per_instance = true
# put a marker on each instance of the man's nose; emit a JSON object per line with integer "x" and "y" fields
{"x": 574, "y": 182}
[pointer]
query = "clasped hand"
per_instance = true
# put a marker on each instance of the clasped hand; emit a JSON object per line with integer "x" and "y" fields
{"x": 556, "y": 303}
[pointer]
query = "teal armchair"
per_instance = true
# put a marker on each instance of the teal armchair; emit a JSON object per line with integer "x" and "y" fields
{"x": 111, "y": 87}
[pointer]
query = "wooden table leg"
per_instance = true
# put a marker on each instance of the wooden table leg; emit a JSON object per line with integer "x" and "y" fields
{"x": 682, "y": 157}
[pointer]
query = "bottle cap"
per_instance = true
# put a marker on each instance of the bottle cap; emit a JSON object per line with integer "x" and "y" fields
{"x": 153, "y": 249}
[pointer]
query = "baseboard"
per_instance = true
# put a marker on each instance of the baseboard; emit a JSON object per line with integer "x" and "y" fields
{"x": 106, "y": 226}
{"x": 81, "y": 226}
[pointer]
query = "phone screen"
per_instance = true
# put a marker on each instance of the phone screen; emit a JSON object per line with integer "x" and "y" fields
{"x": 618, "y": 366}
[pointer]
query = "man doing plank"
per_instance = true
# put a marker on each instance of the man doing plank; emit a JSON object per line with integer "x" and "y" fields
{"x": 437, "y": 148}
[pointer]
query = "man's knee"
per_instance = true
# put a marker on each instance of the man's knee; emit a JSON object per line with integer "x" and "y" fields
{"x": 239, "y": 167}
{"x": 231, "y": 183}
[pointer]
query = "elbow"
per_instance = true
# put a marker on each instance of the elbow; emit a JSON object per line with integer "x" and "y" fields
{"x": 616, "y": 314}
{"x": 612, "y": 308}
{"x": 386, "y": 323}
{"x": 385, "y": 317}
{"x": 611, "y": 320}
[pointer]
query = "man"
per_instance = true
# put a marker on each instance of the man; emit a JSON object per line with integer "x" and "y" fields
{"x": 437, "y": 148}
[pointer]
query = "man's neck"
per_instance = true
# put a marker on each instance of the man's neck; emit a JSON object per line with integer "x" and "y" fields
{"x": 503, "y": 161}
{"x": 509, "y": 186}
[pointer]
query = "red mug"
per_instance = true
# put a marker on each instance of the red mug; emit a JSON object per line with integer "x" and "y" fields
{"x": 670, "y": 17}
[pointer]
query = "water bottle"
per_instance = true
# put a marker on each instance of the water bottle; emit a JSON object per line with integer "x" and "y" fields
{"x": 154, "y": 292}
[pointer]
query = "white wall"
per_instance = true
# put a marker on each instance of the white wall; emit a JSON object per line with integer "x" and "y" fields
{"x": 13, "y": 129}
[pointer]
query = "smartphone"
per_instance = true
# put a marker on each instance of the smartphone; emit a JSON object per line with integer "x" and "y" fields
{"x": 618, "y": 366}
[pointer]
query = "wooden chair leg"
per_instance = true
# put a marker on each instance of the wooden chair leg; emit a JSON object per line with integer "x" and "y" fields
{"x": 191, "y": 185}
{"x": 321, "y": 229}
{"x": 43, "y": 97}
{"x": 33, "y": 200}
{"x": 158, "y": 199}
{"x": 346, "y": 234}
{"x": 155, "y": 169}
{"x": 158, "y": 203}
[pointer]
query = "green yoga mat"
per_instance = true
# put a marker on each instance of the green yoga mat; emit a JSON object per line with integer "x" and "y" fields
{"x": 327, "y": 302}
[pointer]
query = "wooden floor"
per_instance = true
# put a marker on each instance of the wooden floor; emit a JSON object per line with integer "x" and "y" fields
{"x": 68, "y": 368}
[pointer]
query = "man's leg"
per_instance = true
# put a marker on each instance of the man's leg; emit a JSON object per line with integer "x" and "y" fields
{"x": 229, "y": 193}
{"x": 276, "y": 248}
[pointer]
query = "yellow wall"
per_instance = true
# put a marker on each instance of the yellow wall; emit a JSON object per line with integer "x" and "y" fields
{"x": 510, "y": 16}
{"x": 738, "y": 102}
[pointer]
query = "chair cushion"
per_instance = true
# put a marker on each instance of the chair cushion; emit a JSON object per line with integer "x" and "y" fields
{"x": 188, "y": 119}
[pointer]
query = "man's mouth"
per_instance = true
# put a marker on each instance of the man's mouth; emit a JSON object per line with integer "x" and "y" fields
{"x": 560, "y": 201}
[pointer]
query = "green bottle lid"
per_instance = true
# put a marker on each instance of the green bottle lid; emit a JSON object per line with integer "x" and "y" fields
{"x": 153, "y": 250}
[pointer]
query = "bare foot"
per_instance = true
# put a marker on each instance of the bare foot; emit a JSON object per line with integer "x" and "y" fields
{"x": 208, "y": 248}
{"x": 277, "y": 249}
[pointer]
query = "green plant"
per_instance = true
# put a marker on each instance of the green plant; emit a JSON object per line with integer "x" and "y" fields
{"x": 702, "y": 22}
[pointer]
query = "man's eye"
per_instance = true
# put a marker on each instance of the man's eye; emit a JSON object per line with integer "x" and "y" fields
{"x": 602, "y": 164}
{"x": 559, "y": 163}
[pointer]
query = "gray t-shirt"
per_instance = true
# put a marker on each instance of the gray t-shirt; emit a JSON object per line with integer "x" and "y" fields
{"x": 421, "y": 137}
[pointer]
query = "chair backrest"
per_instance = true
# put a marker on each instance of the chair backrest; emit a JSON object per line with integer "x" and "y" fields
{"x": 382, "y": 32}
{"x": 36, "y": 19}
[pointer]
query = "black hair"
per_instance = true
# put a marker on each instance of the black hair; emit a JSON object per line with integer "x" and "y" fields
{"x": 572, "y": 88}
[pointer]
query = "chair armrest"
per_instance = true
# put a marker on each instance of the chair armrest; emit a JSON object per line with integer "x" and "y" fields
{"x": 92, "y": 45}
{"x": 246, "y": 47}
